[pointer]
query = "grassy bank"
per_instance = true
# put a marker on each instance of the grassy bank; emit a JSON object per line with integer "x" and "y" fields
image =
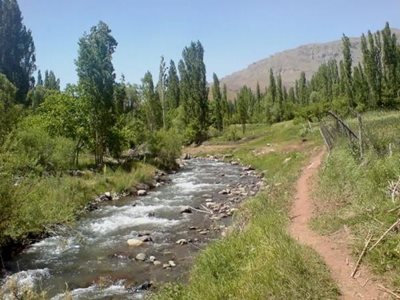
{"x": 34, "y": 204}
{"x": 259, "y": 260}
{"x": 357, "y": 193}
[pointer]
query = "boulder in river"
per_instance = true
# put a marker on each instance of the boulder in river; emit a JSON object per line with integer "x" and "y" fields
{"x": 134, "y": 242}
{"x": 141, "y": 192}
{"x": 186, "y": 210}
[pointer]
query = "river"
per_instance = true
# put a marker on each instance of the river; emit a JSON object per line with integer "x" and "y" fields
{"x": 92, "y": 260}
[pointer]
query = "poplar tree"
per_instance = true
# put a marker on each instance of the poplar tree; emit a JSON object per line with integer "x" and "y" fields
{"x": 216, "y": 93}
{"x": 347, "y": 69}
{"x": 172, "y": 94}
{"x": 194, "y": 92}
{"x": 17, "y": 50}
{"x": 96, "y": 79}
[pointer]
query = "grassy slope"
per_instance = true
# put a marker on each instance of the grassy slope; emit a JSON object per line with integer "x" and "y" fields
{"x": 41, "y": 202}
{"x": 258, "y": 260}
{"x": 355, "y": 193}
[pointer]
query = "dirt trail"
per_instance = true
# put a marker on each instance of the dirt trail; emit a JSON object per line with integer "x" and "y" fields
{"x": 335, "y": 254}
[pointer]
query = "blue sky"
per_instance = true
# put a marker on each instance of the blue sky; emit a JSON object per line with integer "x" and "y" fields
{"x": 234, "y": 33}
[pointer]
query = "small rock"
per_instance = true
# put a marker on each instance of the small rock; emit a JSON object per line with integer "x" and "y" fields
{"x": 192, "y": 227}
{"x": 234, "y": 163}
{"x": 172, "y": 263}
{"x": 203, "y": 232}
{"x": 152, "y": 259}
{"x": 166, "y": 266}
{"x": 151, "y": 214}
{"x": 141, "y": 192}
{"x": 209, "y": 200}
{"x": 156, "y": 262}
{"x": 108, "y": 195}
{"x": 207, "y": 196}
{"x": 134, "y": 242}
{"x": 186, "y": 210}
{"x": 181, "y": 242}
{"x": 144, "y": 286}
{"x": 141, "y": 256}
{"x": 146, "y": 238}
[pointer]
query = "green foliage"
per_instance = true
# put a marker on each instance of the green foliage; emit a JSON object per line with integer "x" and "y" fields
{"x": 17, "y": 50}
{"x": 96, "y": 79}
{"x": 165, "y": 146}
{"x": 357, "y": 194}
{"x": 30, "y": 148}
{"x": 194, "y": 93}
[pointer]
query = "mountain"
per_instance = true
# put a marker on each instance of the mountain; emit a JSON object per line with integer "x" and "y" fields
{"x": 290, "y": 64}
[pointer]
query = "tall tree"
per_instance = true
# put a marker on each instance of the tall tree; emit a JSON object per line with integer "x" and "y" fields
{"x": 151, "y": 103}
{"x": 17, "y": 50}
{"x": 50, "y": 81}
{"x": 39, "y": 79}
{"x": 161, "y": 87}
{"x": 194, "y": 90}
{"x": 216, "y": 93}
{"x": 172, "y": 95}
{"x": 347, "y": 69}
{"x": 96, "y": 78}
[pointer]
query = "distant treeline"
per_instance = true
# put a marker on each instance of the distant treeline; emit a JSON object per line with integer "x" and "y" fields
{"x": 372, "y": 84}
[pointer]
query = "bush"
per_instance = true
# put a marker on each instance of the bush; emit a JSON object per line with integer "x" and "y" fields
{"x": 30, "y": 148}
{"x": 165, "y": 147}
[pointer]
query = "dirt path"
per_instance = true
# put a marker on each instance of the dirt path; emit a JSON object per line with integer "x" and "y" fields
{"x": 335, "y": 254}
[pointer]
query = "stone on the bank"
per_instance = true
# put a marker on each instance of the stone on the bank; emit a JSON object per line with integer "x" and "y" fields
{"x": 141, "y": 256}
{"x": 181, "y": 242}
{"x": 108, "y": 195}
{"x": 134, "y": 242}
{"x": 156, "y": 262}
{"x": 141, "y": 192}
{"x": 152, "y": 258}
{"x": 166, "y": 266}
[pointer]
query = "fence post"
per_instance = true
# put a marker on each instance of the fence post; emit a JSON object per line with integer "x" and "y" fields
{"x": 360, "y": 136}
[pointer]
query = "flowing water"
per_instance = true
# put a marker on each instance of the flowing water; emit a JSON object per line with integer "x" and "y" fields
{"x": 92, "y": 260}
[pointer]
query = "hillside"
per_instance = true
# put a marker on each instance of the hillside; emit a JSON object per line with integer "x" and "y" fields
{"x": 290, "y": 63}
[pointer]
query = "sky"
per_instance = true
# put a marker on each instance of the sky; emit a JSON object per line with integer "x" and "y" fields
{"x": 233, "y": 33}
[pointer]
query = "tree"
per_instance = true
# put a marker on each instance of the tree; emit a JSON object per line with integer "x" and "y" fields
{"x": 347, "y": 69}
{"x": 161, "y": 87}
{"x": 194, "y": 91}
{"x": 96, "y": 78}
{"x": 17, "y": 50}
{"x": 50, "y": 81}
{"x": 216, "y": 93}
{"x": 39, "y": 79}
{"x": 7, "y": 109}
{"x": 243, "y": 99}
{"x": 151, "y": 103}
{"x": 172, "y": 94}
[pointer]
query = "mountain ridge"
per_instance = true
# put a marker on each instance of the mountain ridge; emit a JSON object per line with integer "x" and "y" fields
{"x": 290, "y": 63}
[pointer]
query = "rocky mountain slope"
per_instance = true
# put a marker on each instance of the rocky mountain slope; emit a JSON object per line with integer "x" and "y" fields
{"x": 290, "y": 64}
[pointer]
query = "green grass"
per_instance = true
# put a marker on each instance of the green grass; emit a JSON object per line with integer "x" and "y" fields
{"x": 355, "y": 193}
{"x": 259, "y": 260}
{"x": 41, "y": 202}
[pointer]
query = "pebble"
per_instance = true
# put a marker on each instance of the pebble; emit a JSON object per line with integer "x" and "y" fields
{"x": 141, "y": 256}
{"x": 181, "y": 242}
{"x": 172, "y": 263}
{"x": 134, "y": 242}
{"x": 141, "y": 192}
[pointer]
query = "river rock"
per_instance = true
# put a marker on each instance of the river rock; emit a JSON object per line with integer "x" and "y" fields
{"x": 166, "y": 266}
{"x": 141, "y": 192}
{"x": 172, "y": 263}
{"x": 144, "y": 286}
{"x": 134, "y": 242}
{"x": 152, "y": 259}
{"x": 141, "y": 256}
{"x": 181, "y": 242}
{"x": 108, "y": 195}
{"x": 186, "y": 210}
{"x": 145, "y": 238}
{"x": 156, "y": 262}
{"x": 234, "y": 163}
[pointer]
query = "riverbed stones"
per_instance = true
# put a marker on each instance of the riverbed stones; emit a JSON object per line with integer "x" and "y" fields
{"x": 172, "y": 263}
{"x": 181, "y": 242}
{"x": 152, "y": 259}
{"x": 157, "y": 263}
{"x": 140, "y": 256}
{"x": 141, "y": 192}
{"x": 186, "y": 210}
{"x": 135, "y": 242}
